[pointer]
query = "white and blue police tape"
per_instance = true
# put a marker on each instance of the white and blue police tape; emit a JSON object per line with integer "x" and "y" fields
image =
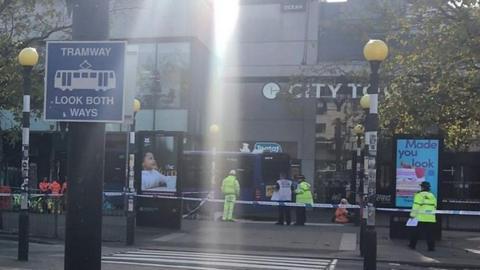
{"x": 256, "y": 203}
{"x": 441, "y": 212}
{"x": 315, "y": 205}
{"x": 265, "y": 203}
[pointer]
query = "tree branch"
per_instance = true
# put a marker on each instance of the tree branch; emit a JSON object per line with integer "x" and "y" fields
{"x": 447, "y": 14}
{"x": 5, "y": 5}
{"x": 46, "y": 35}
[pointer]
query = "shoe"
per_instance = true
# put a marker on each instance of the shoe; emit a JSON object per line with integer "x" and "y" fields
{"x": 431, "y": 249}
{"x": 278, "y": 223}
{"x": 411, "y": 247}
{"x": 288, "y": 224}
{"x": 299, "y": 224}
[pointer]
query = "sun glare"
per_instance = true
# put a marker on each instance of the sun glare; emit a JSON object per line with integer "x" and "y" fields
{"x": 226, "y": 14}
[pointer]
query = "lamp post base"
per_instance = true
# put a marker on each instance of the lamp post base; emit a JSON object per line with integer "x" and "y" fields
{"x": 130, "y": 240}
{"x": 23, "y": 226}
{"x": 370, "y": 252}
{"x": 130, "y": 222}
{"x": 363, "y": 225}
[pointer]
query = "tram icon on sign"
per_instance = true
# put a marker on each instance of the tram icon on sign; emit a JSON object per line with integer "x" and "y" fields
{"x": 85, "y": 78}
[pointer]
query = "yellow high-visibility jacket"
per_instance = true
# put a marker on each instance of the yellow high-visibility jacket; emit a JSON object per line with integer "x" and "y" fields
{"x": 424, "y": 206}
{"x": 304, "y": 193}
{"x": 230, "y": 186}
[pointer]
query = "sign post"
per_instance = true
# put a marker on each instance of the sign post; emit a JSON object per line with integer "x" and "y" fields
{"x": 84, "y": 86}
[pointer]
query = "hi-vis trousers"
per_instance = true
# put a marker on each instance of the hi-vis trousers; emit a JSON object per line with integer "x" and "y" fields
{"x": 228, "y": 206}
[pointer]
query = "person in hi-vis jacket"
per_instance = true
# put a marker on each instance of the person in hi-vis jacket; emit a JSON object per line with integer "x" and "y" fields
{"x": 304, "y": 195}
{"x": 231, "y": 190}
{"x": 423, "y": 209}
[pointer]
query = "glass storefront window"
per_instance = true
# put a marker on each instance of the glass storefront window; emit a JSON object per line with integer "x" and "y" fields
{"x": 163, "y": 74}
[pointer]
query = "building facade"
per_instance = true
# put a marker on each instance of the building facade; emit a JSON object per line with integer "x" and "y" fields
{"x": 292, "y": 77}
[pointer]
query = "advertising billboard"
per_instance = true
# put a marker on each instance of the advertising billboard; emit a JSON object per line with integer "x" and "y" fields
{"x": 158, "y": 157}
{"x": 157, "y": 160}
{"x": 417, "y": 160}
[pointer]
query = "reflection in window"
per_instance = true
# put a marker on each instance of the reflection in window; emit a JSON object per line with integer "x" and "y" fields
{"x": 163, "y": 74}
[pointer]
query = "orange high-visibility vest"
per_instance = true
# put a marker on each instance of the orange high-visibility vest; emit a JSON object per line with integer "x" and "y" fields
{"x": 44, "y": 186}
{"x": 55, "y": 187}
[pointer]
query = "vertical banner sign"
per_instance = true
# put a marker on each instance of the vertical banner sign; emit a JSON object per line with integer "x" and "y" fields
{"x": 416, "y": 161}
{"x": 84, "y": 81}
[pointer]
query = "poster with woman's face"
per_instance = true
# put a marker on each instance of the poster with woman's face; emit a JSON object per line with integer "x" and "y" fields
{"x": 159, "y": 164}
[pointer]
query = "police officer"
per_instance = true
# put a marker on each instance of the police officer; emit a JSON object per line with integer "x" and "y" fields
{"x": 303, "y": 195}
{"x": 231, "y": 190}
{"x": 423, "y": 209}
{"x": 283, "y": 193}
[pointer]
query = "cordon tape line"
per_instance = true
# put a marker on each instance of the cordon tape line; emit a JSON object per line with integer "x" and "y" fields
{"x": 265, "y": 203}
{"x": 315, "y": 205}
{"x": 443, "y": 212}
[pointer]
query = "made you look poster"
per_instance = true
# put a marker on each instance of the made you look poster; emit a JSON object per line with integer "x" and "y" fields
{"x": 416, "y": 161}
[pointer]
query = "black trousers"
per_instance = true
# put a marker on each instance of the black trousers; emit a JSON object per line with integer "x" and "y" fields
{"x": 284, "y": 214}
{"x": 301, "y": 215}
{"x": 423, "y": 228}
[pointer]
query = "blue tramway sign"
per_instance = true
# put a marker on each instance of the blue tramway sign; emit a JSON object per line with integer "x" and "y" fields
{"x": 84, "y": 81}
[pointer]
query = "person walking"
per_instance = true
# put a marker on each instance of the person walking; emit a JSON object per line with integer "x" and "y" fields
{"x": 283, "y": 194}
{"x": 423, "y": 210}
{"x": 231, "y": 190}
{"x": 303, "y": 195}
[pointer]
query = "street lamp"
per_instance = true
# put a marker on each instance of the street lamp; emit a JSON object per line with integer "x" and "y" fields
{"x": 365, "y": 102}
{"x": 28, "y": 58}
{"x": 214, "y": 129}
{"x": 130, "y": 239}
{"x": 375, "y": 51}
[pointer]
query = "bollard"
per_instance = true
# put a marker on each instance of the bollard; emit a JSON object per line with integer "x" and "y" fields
{"x": 130, "y": 240}
{"x": 370, "y": 253}
{"x": 362, "y": 237}
{"x": 23, "y": 236}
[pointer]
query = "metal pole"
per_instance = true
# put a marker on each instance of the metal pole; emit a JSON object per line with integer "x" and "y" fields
{"x": 86, "y": 157}
{"x": 130, "y": 239}
{"x": 362, "y": 190}
{"x": 371, "y": 137}
{"x": 358, "y": 169}
{"x": 212, "y": 181}
{"x": 356, "y": 183}
{"x": 23, "y": 221}
{"x": 156, "y": 89}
